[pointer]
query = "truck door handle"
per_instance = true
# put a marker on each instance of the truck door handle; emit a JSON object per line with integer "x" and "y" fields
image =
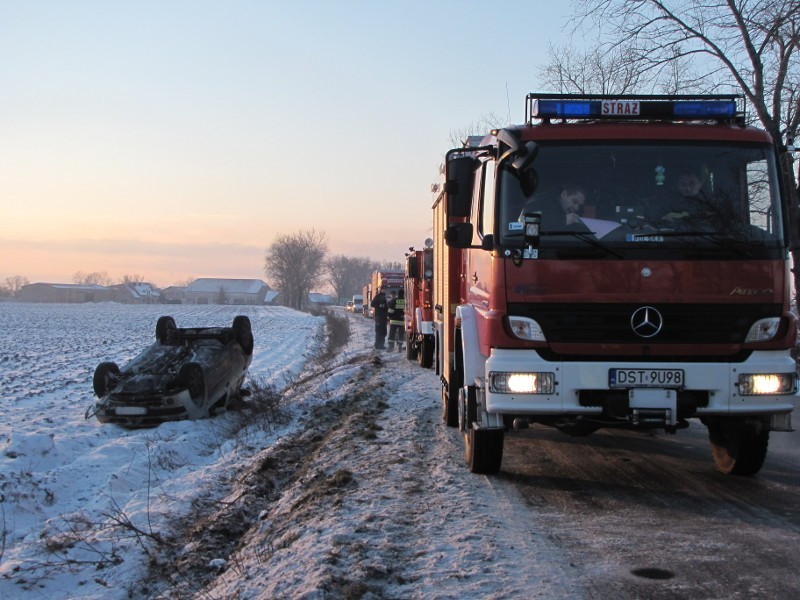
{"x": 475, "y": 277}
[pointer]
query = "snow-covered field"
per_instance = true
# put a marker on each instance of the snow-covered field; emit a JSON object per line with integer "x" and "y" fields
{"x": 362, "y": 493}
{"x": 64, "y": 480}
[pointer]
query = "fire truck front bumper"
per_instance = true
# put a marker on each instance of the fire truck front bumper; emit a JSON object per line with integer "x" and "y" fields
{"x": 520, "y": 382}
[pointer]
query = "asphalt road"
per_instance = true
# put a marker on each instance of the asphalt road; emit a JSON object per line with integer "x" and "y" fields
{"x": 647, "y": 516}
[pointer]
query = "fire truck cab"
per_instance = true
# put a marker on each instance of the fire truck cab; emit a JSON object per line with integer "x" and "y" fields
{"x": 616, "y": 262}
{"x": 419, "y": 307}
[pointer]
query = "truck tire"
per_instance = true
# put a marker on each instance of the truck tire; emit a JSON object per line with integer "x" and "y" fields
{"x": 164, "y": 326}
{"x": 738, "y": 447}
{"x": 104, "y": 374}
{"x": 449, "y": 407}
{"x": 425, "y": 357}
{"x": 484, "y": 450}
{"x": 411, "y": 348}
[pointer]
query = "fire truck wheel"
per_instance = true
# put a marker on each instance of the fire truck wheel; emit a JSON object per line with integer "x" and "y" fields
{"x": 484, "y": 450}
{"x": 426, "y": 352}
{"x": 449, "y": 408}
{"x": 738, "y": 447}
{"x": 411, "y": 348}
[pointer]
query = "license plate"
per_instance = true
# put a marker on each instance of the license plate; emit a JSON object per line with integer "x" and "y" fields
{"x": 131, "y": 411}
{"x": 657, "y": 378}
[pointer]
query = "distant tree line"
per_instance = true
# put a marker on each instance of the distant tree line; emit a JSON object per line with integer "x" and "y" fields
{"x": 298, "y": 263}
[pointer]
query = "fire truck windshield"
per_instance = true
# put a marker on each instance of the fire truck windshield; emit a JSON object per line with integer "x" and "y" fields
{"x": 640, "y": 195}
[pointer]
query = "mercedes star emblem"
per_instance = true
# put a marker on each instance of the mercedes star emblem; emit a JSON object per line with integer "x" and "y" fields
{"x": 646, "y": 321}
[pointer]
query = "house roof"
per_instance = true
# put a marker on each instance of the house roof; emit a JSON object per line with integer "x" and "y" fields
{"x": 71, "y": 286}
{"x": 231, "y": 286}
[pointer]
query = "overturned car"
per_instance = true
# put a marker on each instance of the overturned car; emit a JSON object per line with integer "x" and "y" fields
{"x": 188, "y": 373}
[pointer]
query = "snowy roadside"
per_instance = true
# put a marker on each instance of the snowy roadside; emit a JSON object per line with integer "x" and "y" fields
{"x": 371, "y": 499}
{"x": 363, "y": 493}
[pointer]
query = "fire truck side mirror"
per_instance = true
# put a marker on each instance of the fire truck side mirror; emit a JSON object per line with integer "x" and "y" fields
{"x": 458, "y": 235}
{"x": 458, "y": 186}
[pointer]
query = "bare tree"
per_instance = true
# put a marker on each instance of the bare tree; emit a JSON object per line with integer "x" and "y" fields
{"x": 348, "y": 274}
{"x": 12, "y": 285}
{"x": 185, "y": 282}
{"x": 94, "y": 278}
{"x": 389, "y": 265}
{"x": 480, "y": 127}
{"x": 748, "y": 46}
{"x": 295, "y": 263}
{"x": 615, "y": 70}
{"x": 131, "y": 279}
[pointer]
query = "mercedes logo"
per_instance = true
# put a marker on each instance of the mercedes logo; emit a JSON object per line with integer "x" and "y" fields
{"x": 646, "y": 321}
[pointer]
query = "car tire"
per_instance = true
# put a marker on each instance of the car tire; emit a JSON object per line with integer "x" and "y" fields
{"x": 164, "y": 327}
{"x": 191, "y": 378}
{"x": 243, "y": 333}
{"x": 105, "y": 374}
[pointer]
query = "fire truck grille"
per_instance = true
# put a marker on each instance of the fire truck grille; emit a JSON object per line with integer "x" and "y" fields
{"x": 612, "y": 323}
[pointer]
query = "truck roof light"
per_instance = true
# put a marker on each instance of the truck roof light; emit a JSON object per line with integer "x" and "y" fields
{"x": 631, "y": 107}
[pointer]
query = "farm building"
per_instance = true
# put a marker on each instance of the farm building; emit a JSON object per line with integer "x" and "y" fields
{"x": 64, "y": 292}
{"x": 206, "y": 290}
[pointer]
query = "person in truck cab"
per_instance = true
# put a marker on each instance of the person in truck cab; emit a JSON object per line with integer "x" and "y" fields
{"x": 689, "y": 199}
{"x": 559, "y": 212}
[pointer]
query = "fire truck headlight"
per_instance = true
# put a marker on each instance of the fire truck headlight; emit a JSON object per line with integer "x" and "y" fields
{"x": 526, "y": 329}
{"x": 763, "y": 330}
{"x": 522, "y": 383}
{"x": 760, "y": 384}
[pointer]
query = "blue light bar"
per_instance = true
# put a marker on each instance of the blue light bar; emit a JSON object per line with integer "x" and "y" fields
{"x": 565, "y": 109}
{"x": 710, "y": 109}
{"x": 634, "y": 108}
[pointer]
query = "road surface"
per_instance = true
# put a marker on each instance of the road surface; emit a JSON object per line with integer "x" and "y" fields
{"x": 646, "y": 515}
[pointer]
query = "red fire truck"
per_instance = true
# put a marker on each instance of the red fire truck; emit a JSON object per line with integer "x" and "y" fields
{"x": 392, "y": 279}
{"x": 419, "y": 306}
{"x": 579, "y": 285}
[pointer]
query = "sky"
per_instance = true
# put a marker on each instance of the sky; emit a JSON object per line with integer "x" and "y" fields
{"x": 178, "y": 139}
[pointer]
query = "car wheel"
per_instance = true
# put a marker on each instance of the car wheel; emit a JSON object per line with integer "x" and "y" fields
{"x": 243, "y": 333}
{"x": 105, "y": 375}
{"x": 164, "y": 327}
{"x": 190, "y": 377}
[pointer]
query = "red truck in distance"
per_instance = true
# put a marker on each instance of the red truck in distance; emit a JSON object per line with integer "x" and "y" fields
{"x": 392, "y": 279}
{"x": 420, "y": 342}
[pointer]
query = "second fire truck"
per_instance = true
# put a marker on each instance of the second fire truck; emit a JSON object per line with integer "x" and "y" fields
{"x": 419, "y": 305}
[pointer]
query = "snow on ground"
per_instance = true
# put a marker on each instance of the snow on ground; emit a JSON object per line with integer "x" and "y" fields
{"x": 361, "y": 493}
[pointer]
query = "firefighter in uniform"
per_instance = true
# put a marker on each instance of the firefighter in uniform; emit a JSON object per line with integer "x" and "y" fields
{"x": 380, "y": 307}
{"x": 397, "y": 325}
